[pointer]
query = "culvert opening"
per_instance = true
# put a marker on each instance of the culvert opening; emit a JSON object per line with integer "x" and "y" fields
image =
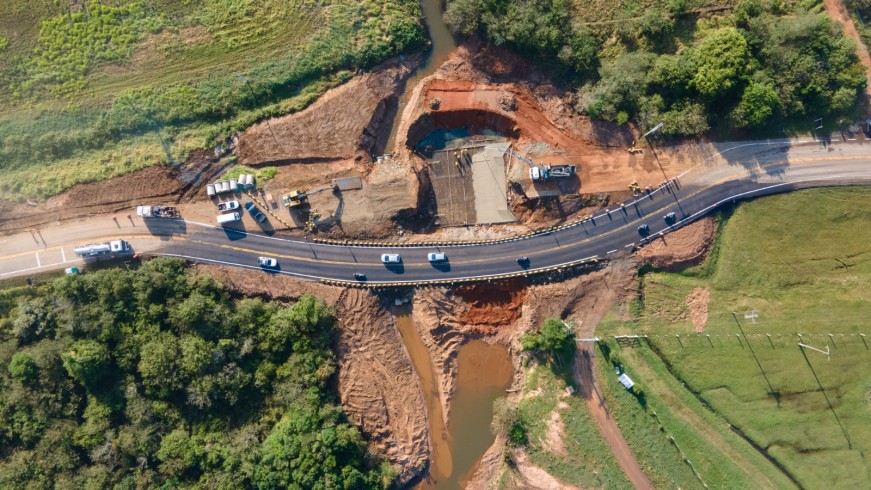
{"x": 442, "y": 130}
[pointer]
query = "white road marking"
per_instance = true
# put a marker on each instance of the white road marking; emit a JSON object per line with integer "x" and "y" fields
{"x": 63, "y": 256}
{"x": 37, "y": 260}
{"x": 610, "y": 251}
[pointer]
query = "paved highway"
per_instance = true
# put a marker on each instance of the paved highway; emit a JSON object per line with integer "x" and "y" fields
{"x": 752, "y": 170}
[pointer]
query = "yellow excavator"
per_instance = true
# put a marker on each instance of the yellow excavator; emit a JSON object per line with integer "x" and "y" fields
{"x": 634, "y": 150}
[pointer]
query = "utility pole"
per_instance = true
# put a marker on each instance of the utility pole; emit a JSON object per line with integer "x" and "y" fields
{"x": 268, "y": 125}
{"x": 650, "y": 145}
{"x": 770, "y": 388}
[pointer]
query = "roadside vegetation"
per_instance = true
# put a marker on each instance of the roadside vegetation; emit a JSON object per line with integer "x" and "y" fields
{"x": 581, "y": 457}
{"x": 552, "y": 425}
{"x": 860, "y": 11}
{"x": 97, "y": 89}
{"x": 698, "y": 66}
{"x": 797, "y": 262}
{"x": 157, "y": 378}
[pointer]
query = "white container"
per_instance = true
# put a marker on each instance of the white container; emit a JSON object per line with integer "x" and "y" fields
{"x": 210, "y": 189}
{"x": 225, "y": 186}
{"x": 233, "y": 185}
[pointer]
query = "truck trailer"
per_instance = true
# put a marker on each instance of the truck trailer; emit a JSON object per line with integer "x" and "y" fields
{"x": 157, "y": 212}
{"x": 101, "y": 251}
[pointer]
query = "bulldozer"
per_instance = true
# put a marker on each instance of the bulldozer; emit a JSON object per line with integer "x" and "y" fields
{"x": 633, "y": 149}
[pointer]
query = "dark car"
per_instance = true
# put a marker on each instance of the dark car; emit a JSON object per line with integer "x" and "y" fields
{"x": 670, "y": 218}
{"x": 644, "y": 230}
{"x": 523, "y": 261}
{"x": 252, "y": 209}
{"x": 359, "y": 276}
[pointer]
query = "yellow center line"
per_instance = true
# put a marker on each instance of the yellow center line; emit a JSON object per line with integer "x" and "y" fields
{"x": 735, "y": 176}
{"x": 744, "y": 173}
{"x": 107, "y": 237}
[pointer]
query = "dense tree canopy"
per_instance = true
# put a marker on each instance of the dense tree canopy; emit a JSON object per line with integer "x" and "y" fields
{"x": 758, "y": 64}
{"x": 157, "y": 378}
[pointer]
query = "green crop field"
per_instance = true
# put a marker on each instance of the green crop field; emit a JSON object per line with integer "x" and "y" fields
{"x": 96, "y": 89}
{"x": 800, "y": 262}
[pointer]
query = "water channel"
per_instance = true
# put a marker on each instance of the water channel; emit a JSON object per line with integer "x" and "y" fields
{"x": 442, "y": 45}
{"x": 484, "y": 372}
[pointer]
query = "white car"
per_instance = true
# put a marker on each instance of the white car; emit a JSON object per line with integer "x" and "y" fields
{"x": 267, "y": 262}
{"x": 391, "y": 258}
{"x": 437, "y": 257}
{"x": 228, "y": 205}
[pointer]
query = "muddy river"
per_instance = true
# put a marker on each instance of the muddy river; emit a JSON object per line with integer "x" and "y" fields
{"x": 442, "y": 45}
{"x": 484, "y": 372}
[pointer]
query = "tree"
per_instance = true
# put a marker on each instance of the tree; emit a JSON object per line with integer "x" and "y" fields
{"x": 464, "y": 16}
{"x": 159, "y": 366}
{"x": 508, "y": 422}
{"x": 721, "y": 61}
{"x": 758, "y": 103}
{"x": 23, "y": 368}
{"x": 308, "y": 448}
{"x": 555, "y": 336}
{"x": 580, "y": 50}
{"x": 87, "y": 362}
{"x": 685, "y": 119}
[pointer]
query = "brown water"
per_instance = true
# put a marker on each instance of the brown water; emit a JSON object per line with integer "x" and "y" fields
{"x": 442, "y": 45}
{"x": 484, "y": 372}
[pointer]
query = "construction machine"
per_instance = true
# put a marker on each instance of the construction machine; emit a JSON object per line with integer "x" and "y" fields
{"x": 299, "y": 198}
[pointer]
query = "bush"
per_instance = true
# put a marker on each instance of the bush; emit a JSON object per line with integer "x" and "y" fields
{"x": 23, "y": 368}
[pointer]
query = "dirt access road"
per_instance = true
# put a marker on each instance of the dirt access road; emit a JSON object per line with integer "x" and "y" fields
{"x": 583, "y": 374}
{"x": 837, "y": 10}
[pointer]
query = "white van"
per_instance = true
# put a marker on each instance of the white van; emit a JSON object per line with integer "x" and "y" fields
{"x": 228, "y": 218}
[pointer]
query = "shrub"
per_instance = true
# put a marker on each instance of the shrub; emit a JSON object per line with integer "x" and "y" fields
{"x": 23, "y": 368}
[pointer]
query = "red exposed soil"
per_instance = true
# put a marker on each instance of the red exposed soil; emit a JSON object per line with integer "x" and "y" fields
{"x": 490, "y": 306}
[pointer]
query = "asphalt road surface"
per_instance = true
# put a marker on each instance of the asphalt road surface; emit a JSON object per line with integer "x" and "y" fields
{"x": 753, "y": 170}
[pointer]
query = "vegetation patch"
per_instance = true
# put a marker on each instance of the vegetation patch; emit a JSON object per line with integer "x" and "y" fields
{"x": 587, "y": 460}
{"x": 110, "y": 89}
{"x": 795, "y": 265}
{"x": 156, "y": 377}
{"x": 261, "y": 174}
{"x": 695, "y": 65}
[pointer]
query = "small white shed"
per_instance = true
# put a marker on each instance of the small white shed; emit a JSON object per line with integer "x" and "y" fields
{"x": 626, "y": 381}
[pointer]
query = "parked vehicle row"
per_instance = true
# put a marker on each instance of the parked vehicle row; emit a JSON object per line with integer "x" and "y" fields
{"x": 233, "y": 205}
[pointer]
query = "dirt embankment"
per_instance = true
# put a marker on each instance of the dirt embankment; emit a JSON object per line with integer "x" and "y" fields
{"x": 681, "y": 248}
{"x": 160, "y": 184}
{"x": 341, "y": 125}
{"x": 334, "y": 138}
{"x": 377, "y": 385}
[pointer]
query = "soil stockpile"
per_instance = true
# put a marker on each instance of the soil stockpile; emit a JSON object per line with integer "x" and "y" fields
{"x": 343, "y": 124}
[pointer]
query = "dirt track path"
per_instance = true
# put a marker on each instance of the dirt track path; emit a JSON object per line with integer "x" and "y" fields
{"x": 589, "y": 390}
{"x": 837, "y": 10}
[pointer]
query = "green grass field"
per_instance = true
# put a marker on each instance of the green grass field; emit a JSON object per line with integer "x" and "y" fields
{"x": 93, "y": 90}
{"x": 800, "y": 261}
